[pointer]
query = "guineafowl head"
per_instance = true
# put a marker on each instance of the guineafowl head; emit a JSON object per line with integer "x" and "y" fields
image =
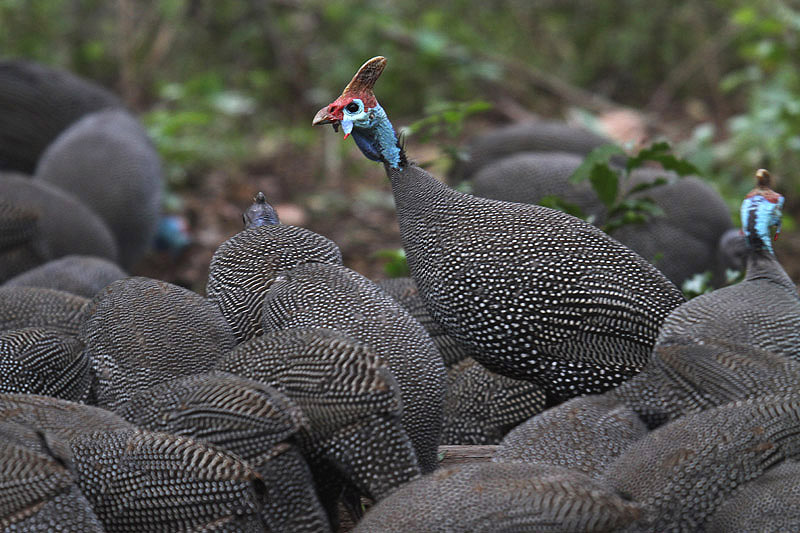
{"x": 260, "y": 213}
{"x": 358, "y": 112}
{"x": 760, "y": 212}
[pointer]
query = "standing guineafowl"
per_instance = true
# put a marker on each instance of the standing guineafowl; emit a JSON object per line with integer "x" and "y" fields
{"x": 538, "y": 294}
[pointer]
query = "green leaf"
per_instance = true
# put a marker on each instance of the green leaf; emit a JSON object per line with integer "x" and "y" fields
{"x": 556, "y": 202}
{"x": 396, "y": 265}
{"x": 600, "y": 155}
{"x": 659, "y": 152}
{"x": 648, "y": 185}
{"x": 605, "y": 183}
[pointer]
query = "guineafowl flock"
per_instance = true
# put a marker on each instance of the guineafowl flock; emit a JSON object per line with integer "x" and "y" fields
{"x": 296, "y": 390}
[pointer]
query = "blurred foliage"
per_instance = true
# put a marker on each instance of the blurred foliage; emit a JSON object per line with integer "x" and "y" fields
{"x": 218, "y": 81}
{"x": 394, "y": 261}
{"x": 767, "y": 133}
{"x": 444, "y": 123}
{"x": 624, "y": 202}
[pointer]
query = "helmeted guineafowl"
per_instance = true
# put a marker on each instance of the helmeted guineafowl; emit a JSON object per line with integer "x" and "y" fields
{"x": 533, "y": 136}
{"x": 28, "y": 307}
{"x": 763, "y": 311}
{"x": 501, "y": 497}
{"x": 405, "y": 291}
{"x": 83, "y": 275}
{"x": 333, "y": 296}
{"x": 530, "y": 177}
{"x": 244, "y": 266}
{"x": 681, "y": 242}
{"x": 685, "y": 469}
{"x": 583, "y": 434}
{"x": 62, "y": 418}
{"x": 684, "y": 240}
{"x": 770, "y": 502}
{"x": 350, "y": 399}
{"x": 138, "y": 480}
{"x": 480, "y": 407}
{"x": 43, "y": 361}
{"x": 37, "y": 489}
{"x": 139, "y": 332}
{"x": 50, "y": 224}
{"x": 247, "y": 418}
{"x": 686, "y": 377}
{"x": 106, "y": 160}
{"x": 36, "y": 104}
{"x": 536, "y": 293}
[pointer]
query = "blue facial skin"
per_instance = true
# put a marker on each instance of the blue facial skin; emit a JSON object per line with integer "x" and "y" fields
{"x": 758, "y": 216}
{"x": 372, "y": 132}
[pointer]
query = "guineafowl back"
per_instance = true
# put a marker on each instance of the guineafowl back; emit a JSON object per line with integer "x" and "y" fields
{"x": 332, "y": 296}
{"x": 23, "y": 307}
{"x": 685, "y": 377}
{"x": 38, "y": 488}
{"x": 768, "y": 503}
{"x": 762, "y": 311}
{"x": 584, "y": 434}
{"x": 43, "y": 361}
{"x": 83, "y": 275}
{"x": 36, "y": 104}
{"x": 350, "y": 399}
{"x": 245, "y": 417}
{"x": 139, "y": 332}
{"x": 685, "y": 469}
{"x": 501, "y": 497}
{"x": 536, "y": 136}
{"x": 537, "y": 293}
{"x": 106, "y": 160}
{"x": 138, "y": 480}
{"x": 244, "y": 267}
{"x": 63, "y": 226}
{"x": 480, "y": 407}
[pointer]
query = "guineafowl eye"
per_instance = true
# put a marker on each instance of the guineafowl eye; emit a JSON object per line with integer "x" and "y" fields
{"x": 352, "y": 107}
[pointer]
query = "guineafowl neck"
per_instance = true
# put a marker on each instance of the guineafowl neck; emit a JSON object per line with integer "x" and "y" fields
{"x": 422, "y": 202}
{"x": 763, "y": 265}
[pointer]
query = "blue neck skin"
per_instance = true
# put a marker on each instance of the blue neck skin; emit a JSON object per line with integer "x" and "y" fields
{"x": 377, "y": 139}
{"x": 758, "y": 216}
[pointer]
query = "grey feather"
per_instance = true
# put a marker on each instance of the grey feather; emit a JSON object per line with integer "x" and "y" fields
{"x": 536, "y": 293}
{"x": 685, "y": 469}
{"x": 36, "y": 104}
{"x": 26, "y": 307}
{"x": 43, "y": 361}
{"x": 332, "y": 296}
{"x": 78, "y": 274}
{"x": 63, "y": 226}
{"x": 140, "y": 332}
{"x": 480, "y": 407}
{"x": 106, "y": 161}
{"x": 501, "y": 498}
{"x": 244, "y": 267}
{"x": 351, "y": 402}
{"x": 584, "y": 434}
{"x": 245, "y": 417}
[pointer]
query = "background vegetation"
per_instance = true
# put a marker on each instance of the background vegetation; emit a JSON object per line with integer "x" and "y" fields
{"x": 228, "y": 89}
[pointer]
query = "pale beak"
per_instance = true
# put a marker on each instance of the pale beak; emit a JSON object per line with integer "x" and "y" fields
{"x": 323, "y": 117}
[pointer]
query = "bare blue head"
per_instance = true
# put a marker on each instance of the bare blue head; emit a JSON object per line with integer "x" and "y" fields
{"x": 760, "y": 212}
{"x": 260, "y": 213}
{"x": 358, "y": 112}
